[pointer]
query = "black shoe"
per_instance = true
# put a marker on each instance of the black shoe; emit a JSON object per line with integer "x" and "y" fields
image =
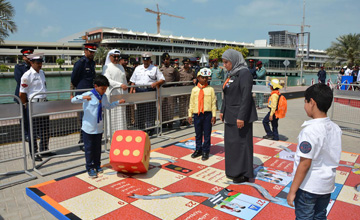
{"x": 26, "y": 138}
{"x": 196, "y": 154}
{"x": 150, "y": 132}
{"x": 170, "y": 125}
{"x": 184, "y": 123}
{"x": 229, "y": 177}
{"x": 49, "y": 154}
{"x": 241, "y": 179}
{"x": 38, "y": 158}
{"x": 205, "y": 156}
{"x": 164, "y": 126}
{"x": 268, "y": 137}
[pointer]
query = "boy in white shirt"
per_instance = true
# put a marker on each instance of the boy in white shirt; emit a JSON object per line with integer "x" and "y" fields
{"x": 317, "y": 157}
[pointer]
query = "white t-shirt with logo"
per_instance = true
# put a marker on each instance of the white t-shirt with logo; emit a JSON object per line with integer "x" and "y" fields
{"x": 319, "y": 140}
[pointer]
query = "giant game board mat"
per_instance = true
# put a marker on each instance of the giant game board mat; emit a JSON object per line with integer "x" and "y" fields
{"x": 109, "y": 196}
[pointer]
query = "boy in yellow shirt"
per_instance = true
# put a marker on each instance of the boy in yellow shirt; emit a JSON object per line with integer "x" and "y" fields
{"x": 270, "y": 117}
{"x": 203, "y": 108}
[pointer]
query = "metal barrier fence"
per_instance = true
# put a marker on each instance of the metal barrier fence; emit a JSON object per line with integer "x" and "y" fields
{"x": 12, "y": 144}
{"x": 140, "y": 112}
{"x": 57, "y": 123}
{"x": 58, "y": 126}
{"x": 345, "y": 111}
{"x": 170, "y": 103}
{"x": 345, "y": 86}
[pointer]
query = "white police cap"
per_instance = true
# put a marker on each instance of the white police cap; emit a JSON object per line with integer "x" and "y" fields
{"x": 36, "y": 56}
{"x": 146, "y": 55}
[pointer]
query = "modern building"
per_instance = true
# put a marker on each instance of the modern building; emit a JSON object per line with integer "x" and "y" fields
{"x": 273, "y": 55}
{"x": 273, "y": 58}
{"x": 10, "y": 51}
{"x": 282, "y": 39}
{"x": 134, "y": 43}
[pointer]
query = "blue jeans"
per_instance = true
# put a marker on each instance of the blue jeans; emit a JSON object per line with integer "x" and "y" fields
{"x": 310, "y": 206}
{"x": 203, "y": 128}
{"x": 274, "y": 124}
{"x": 92, "y": 144}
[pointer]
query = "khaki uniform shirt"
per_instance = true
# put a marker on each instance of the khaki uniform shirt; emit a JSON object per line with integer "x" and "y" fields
{"x": 170, "y": 73}
{"x": 187, "y": 76}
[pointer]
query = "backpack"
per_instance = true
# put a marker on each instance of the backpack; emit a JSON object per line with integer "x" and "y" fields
{"x": 281, "y": 107}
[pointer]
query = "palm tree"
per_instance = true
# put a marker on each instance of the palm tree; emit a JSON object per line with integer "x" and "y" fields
{"x": 7, "y": 13}
{"x": 100, "y": 55}
{"x": 346, "y": 48}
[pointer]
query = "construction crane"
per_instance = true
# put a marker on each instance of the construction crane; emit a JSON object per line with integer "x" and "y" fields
{"x": 302, "y": 36}
{"x": 158, "y": 16}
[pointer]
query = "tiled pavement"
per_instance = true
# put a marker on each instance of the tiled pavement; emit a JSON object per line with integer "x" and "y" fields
{"x": 15, "y": 204}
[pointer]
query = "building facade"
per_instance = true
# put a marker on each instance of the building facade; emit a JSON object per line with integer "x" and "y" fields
{"x": 280, "y": 49}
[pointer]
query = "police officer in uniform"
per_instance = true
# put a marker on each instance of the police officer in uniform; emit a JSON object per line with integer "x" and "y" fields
{"x": 260, "y": 75}
{"x": 217, "y": 77}
{"x": 146, "y": 77}
{"x": 186, "y": 74}
{"x": 19, "y": 71}
{"x": 130, "y": 110}
{"x": 32, "y": 82}
{"x": 196, "y": 66}
{"x": 171, "y": 75}
{"x": 83, "y": 76}
{"x": 252, "y": 70}
{"x": 176, "y": 64}
{"x": 124, "y": 61}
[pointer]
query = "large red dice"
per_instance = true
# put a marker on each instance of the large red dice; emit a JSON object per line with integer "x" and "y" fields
{"x": 130, "y": 151}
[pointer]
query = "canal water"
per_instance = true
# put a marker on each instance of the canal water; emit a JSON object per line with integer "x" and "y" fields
{"x": 58, "y": 83}
{"x": 54, "y": 83}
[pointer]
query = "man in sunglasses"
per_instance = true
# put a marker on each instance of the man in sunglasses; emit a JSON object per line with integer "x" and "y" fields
{"x": 171, "y": 75}
{"x": 33, "y": 82}
{"x": 124, "y": 61}
{"x": 187, "y": 75}
{"x": 147, "y": 78}
{"x": 115, "y": 73}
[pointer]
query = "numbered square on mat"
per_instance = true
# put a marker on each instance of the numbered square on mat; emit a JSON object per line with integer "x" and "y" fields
{"x": 130, "y": 151}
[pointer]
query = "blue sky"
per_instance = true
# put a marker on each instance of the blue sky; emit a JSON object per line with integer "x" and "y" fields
{"x": 232, "y": 20}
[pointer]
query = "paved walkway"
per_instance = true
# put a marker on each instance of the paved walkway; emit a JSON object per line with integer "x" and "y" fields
{"x": 15, "y": 204}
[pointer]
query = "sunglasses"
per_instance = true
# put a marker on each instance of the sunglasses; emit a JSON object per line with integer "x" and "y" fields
{"x": 116, "y": 57}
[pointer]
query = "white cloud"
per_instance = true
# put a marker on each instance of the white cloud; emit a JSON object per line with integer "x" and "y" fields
{"x": 35, "y": 7}
{"x": 49, "y": 30}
